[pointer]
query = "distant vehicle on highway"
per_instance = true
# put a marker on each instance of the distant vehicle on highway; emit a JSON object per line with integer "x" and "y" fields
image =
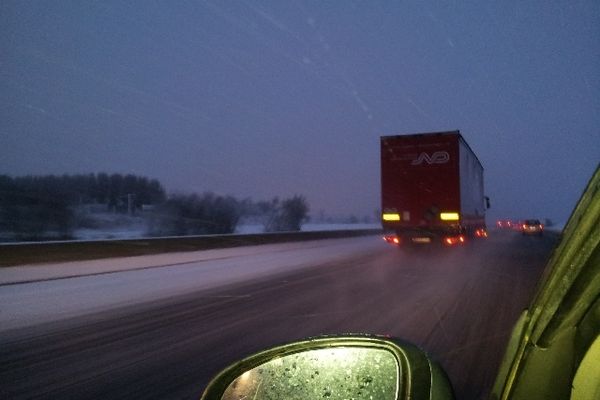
{"x": 532, "y": 227}
{"x": 431, "y": 189}
{"x": 504, "y": 224}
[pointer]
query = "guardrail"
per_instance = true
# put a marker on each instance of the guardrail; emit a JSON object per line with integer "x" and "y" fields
{"x": 12, "y": 254}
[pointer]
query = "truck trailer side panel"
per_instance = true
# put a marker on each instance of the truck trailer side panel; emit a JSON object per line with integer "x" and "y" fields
{"x": 472, "y": 204}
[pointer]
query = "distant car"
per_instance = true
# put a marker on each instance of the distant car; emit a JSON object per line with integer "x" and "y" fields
{"x": 532, "y": 227}
{"x": 504, "y": 224}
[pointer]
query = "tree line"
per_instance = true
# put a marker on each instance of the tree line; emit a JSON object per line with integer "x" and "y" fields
{"x": 209, "y": 213}
{"x": 37, "y": 207}
{"x": 52, "y": 207}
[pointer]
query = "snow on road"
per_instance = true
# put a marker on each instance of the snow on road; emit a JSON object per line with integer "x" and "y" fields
{"x": 57, "y": 291}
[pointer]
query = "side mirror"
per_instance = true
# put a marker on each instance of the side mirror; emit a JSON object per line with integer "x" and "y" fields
{"x": 487, "y": 202}
{"x": 334, "y": 367}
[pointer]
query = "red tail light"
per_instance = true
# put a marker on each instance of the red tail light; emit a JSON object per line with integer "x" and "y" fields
{"x": 392, "y": 239}
{"x": 452, "y": 240}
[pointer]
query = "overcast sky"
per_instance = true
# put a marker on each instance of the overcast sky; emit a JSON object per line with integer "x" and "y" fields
{"x": 273, "y": 98}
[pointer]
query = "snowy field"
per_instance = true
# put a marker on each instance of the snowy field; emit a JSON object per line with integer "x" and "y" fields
{"x": 139, "y": 230}
{"x": 248, "y": 229}
{"x": 57, "y": 291}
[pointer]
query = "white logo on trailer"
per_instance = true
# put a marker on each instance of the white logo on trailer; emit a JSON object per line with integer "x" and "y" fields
{"x": 439, "y": 157}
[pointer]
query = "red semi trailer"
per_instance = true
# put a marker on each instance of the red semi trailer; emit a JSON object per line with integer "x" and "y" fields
{"x": 431, "y": 189}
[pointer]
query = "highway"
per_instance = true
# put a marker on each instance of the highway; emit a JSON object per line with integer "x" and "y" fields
{"x": 160, "y": 327}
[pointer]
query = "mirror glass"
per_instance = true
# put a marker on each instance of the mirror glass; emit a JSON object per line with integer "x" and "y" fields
{"x": 330, "y": 373}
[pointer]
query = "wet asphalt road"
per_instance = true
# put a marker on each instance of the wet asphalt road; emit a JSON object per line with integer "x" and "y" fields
{"x": 458, "y": 305}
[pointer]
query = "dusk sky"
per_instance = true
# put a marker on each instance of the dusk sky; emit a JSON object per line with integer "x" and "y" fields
{"x": 274, "y": 98}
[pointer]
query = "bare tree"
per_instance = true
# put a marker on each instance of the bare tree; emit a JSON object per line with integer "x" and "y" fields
{"x": 289, "y": 215}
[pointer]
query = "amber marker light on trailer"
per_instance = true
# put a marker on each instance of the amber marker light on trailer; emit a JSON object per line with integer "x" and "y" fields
{"x": 391, "y": 217}
{"x": 449, "y": 216}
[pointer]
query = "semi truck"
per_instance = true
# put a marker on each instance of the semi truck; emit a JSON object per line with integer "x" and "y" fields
{"x": 431, "y": 190}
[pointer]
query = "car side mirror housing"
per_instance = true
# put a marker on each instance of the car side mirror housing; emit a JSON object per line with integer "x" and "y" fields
{"x": 334, "y": 367}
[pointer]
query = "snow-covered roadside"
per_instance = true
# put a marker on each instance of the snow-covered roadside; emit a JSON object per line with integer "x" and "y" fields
{"x": 139, "y": 231}
{"x": 133, "y": 280}
{"x": 249, "y": 229}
